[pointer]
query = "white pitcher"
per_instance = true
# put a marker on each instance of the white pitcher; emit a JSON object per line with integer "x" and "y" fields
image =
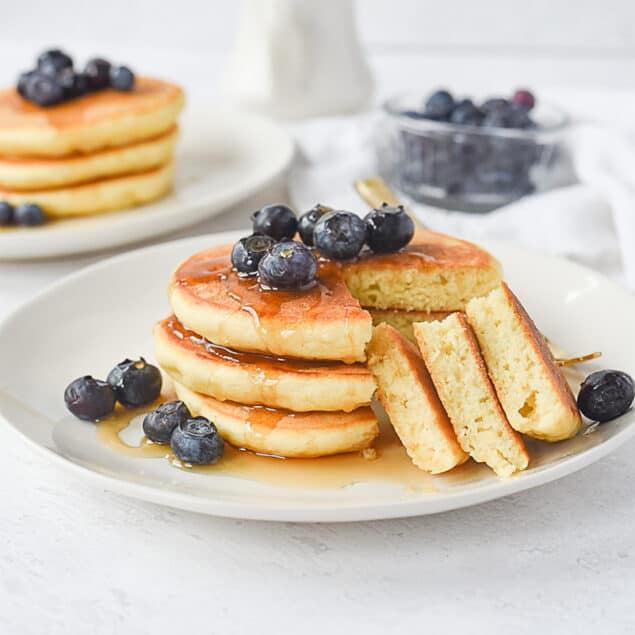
{"x": 298, "y": 58}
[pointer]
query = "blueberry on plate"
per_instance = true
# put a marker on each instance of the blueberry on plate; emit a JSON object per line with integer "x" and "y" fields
{"x": 439, "y": 105}
{"x": 43, "y": 90}
{"x": 135, "y": 382}
{"x": 97, "y": 71}
{"x": 121, "y": 78}
{"x": 524, "y": 98}
{"x": 159, "y": 424}
{"x": 307, "y": 221}
{"x": 53, "y": 61}
{"x": 289, "y": 265}
{"x": 29, "y": 214}
{"x": 277, "y": 221}
{"x": 249, "y": 251}
{"x": 339, "y": 235}
{"x": 89, "y": 398}
{"x": 389, "y": 229}
{"x": 465, "y": 113}
{"x": 197, "y": 441}
{"x": 606, "y": 394}
{"x": 6, "y": 213}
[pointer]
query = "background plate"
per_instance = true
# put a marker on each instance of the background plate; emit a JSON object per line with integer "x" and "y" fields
{"x": 88, "y": 321}
{"x": 222, "y": 157}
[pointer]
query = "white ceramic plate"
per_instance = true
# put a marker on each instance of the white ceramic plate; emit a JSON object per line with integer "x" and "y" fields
{"x": 222, "y": 157}
{"x": 90, "y": 320}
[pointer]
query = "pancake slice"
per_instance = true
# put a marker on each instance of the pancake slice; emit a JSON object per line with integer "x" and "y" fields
{"x": 252, "y": 378}
{"x": 283, "y": 432}
{"x": 403, "y": 320}
{"x": 531, "y": 387}
{"x": 98, "y": 196}
{"x": 453, "y": 358}
{"x": 406, "y": 392}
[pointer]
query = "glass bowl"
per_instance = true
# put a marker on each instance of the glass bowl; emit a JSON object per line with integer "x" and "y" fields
{"x": 470, "y": 168}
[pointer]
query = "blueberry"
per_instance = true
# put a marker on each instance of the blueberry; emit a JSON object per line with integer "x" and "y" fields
{"x": 23, "y": 80}
{"x": 514, "y": 116}
{"x": 53, "y": 61}
{"x": 66, "y": 79}
{"x": 339, "y": 235}
{"x": 136, "y": 383}
{"x": 277, "y": 221}
{"x": 90, "y": 399}
{"x": 439, "y": 105}
{"x": 29, "y": 214}
{"x": 97, "y": 71}
{"x": 524, "y": 98}
{"x": 159, "y": 424}
{"x": 389, "y": 229}
{"x": 249, "y": 251}
{"x": 289, "y": 265}
{"x": 494, "y": 103}
{"x": 307, "y": 221}
{"x": 121, "y": 78}
{"x": 197, "y": 441}
{"x": 6, "y": 213}
{"x": 81, "y": 84}
{"x": 606, "y": 394}
{"x": 465, "y": 113}
{"x": 43, "y": 90}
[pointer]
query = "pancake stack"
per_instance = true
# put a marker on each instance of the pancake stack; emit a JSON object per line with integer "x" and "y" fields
{"x": 283, "y": 372}
{"x": 104, "y": 151}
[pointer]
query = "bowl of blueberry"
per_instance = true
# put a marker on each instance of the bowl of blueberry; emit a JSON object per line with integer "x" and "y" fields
{"x": 472, "y": 156}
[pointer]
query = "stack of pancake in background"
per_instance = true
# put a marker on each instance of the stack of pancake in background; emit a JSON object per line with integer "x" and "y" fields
{"x": 104, "y": 151}
{"x": 284, "y": 372}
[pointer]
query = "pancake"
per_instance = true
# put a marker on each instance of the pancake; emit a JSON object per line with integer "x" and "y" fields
{"x": 98, "y": 120}
{"x": 28, "y": 173}
{"x": 407, "y": 394}
{"x": 453, "y": 358}
{"x": 98, "y": 196}
{"x": 252, "y": 378}
{"x": 531, "y": 387}
{"x": 402, "y": 320}
{"x": 322, "y": 322}
{"x": 434, "y": 272}
{"x": 283, "y": 432}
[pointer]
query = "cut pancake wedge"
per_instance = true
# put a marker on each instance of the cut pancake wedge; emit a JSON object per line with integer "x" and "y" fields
{"x": 283, "y": 432}
{"x": 252, "y": 378}
{"x": 531, "y": 387}
{"x": 453, "y": 358}
{"x": 406, "y": 392}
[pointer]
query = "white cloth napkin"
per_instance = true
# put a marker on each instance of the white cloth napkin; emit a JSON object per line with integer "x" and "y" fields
{"x": 592, "y": 222}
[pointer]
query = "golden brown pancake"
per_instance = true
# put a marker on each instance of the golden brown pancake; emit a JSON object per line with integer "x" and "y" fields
{"x": 283, "y": 432}
{"x": 98, "y": 120}
{"x": 253, "y": 378}
{"x": 403, "y": 320}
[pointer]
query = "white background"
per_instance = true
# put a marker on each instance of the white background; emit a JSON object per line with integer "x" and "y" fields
{"x": 558, "y": 559}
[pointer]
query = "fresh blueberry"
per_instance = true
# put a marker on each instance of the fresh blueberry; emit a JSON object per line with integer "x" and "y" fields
{"x": 159, "y": 423}
{"x": 494, "y": 103}
{"x": 439, "y": 105}
{"x": 249, "y": 251}
{"x": 197, "y": 441}
{"x": 43, "y": 90}
{"x": 6, "y": 213}
{"x": 121, "y": 78}
{"x": 514, "y": 116}
{"x": 97, "y": 71}
{"x": 524, "y": 98}
{"x": 81, "y": 84}
{"x": 307, "y": 221}
{"x": 29, "y": 214}
{"x": 53, "y": 61}
{"x": 90, "y": 399}
{"x": 66, "y": 79}
{"x": 339, "y": 235}
{"x": 465, "y": 113}
{"x": 606, "y": 394}
{"x": 277, "y": 221}
{"x": 136, "y": 382}
{"x": 389, "y": 229}
{"x": 289, "y": 265}
{"x": 23, "y": 80}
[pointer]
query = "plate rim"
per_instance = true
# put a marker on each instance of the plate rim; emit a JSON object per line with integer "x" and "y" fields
{"x": 317, "y": 511}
